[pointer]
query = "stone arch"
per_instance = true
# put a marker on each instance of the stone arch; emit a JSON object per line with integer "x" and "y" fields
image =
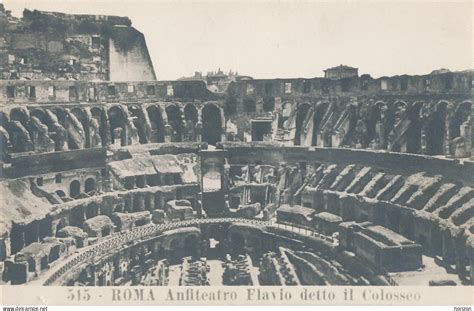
{"x": 175, "y": 121}
{"x": 99, "y": 127}
{"x": 20, "y": 114}
{"x": 19, "y": 137}
{"x": 118, "y": 124}
{"x": 41, "y": 115}
{"x": 138, "y": 117}
{"x": 89, "y": 185}
{"x": 82, "y": 117}
{"x": 461, "y": 115}
{"x": 75, "y": 131}
{"x": 376, "y": 125}
{"x": 320, "y": 111}
{"x": 74, "y": 188}
{"x": 436, "y": 129}
{"x": 414, "y": 132}
{"x": 211, "y": 124}
{"x": 157, "y": 124}
{"x": 301, "y": 113}
{"x": 191, "y": 119}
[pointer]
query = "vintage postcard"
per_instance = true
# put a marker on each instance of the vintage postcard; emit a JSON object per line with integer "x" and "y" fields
{"x": 236, "y": 152}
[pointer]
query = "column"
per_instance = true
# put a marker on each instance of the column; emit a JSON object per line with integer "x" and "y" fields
{"x": 198, "y": 128}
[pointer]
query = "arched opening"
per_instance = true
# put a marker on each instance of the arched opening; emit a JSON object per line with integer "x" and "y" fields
{"x": 82, "y": 117}
{"x": 139, "y": 122}
{"x": 175, "y": 121}
{"x": 435, "y": 131}
{"x": 376, "y": 132}
{"x": 74, "y": 188}
{"x": 19, "y": 114}
{"x": 98, "y": 127}
{"x": 461, "y": 115}
{"x": 191, "y": 119}
{"x": 157, "y": 124}
{"x": 60, "y": 193}
{"x": 401, "y": 110}
{"x": 211, "y": 124}
{"x": 321, "y": 109}
{"x": 301, "y": 113}
{"x": 118, "y": 125}
{"x": 414, "y": 132}
{"x": 89, "y": 185}
{"x": 41, "y": 115}
{"x": 62, "y": 117}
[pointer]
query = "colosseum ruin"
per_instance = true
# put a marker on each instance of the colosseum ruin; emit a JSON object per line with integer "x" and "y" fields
{"x": 110, "y": 177}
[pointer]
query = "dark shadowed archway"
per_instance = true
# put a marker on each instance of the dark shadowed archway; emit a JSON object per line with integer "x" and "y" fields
{"x": 139, "y": 121}
{"x": 118, "y": 120}
{"x": 100, "y": 118}
{"x": 321, "y": 109}
{"x": 190, "y": 120}
{"x": 461, "y": 115}
{"x": 74, "y": 188}
{"x": 157, "y": 124}
{"x": 89, "y": 185}
{"x": 435, "y": 131}
{"x": 211, "y": 124}
{"x": 175, "y": 121}
{"x": 414, "y": 132}
{"x": 82, "y": 117}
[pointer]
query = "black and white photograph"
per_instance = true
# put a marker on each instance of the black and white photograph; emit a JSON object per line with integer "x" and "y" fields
{"x": 236, "y": 152}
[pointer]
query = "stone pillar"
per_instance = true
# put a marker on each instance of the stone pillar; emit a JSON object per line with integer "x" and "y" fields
{"x": 447, "y": 131}
{"x": 223, "y": 125}
{"x": 198, "y": 128}
{"x": 465, "y": 132}
{"x": 147, "y": 123}
{"x": 168, "y": 133}
{"x": 54, "y": 226}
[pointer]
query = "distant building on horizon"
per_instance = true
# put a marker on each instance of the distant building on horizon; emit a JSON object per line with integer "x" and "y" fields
{"x": 341, "y": 71}
{"x": 217, "y": 81}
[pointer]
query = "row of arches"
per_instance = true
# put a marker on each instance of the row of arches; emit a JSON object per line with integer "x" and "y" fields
{"x": 59, "y": 129}
{"x": 75, "y": 190}
{"x": 421, "y": 127}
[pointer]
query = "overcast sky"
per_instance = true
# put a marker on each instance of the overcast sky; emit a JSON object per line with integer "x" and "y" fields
{"x": 281, "y": 39}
